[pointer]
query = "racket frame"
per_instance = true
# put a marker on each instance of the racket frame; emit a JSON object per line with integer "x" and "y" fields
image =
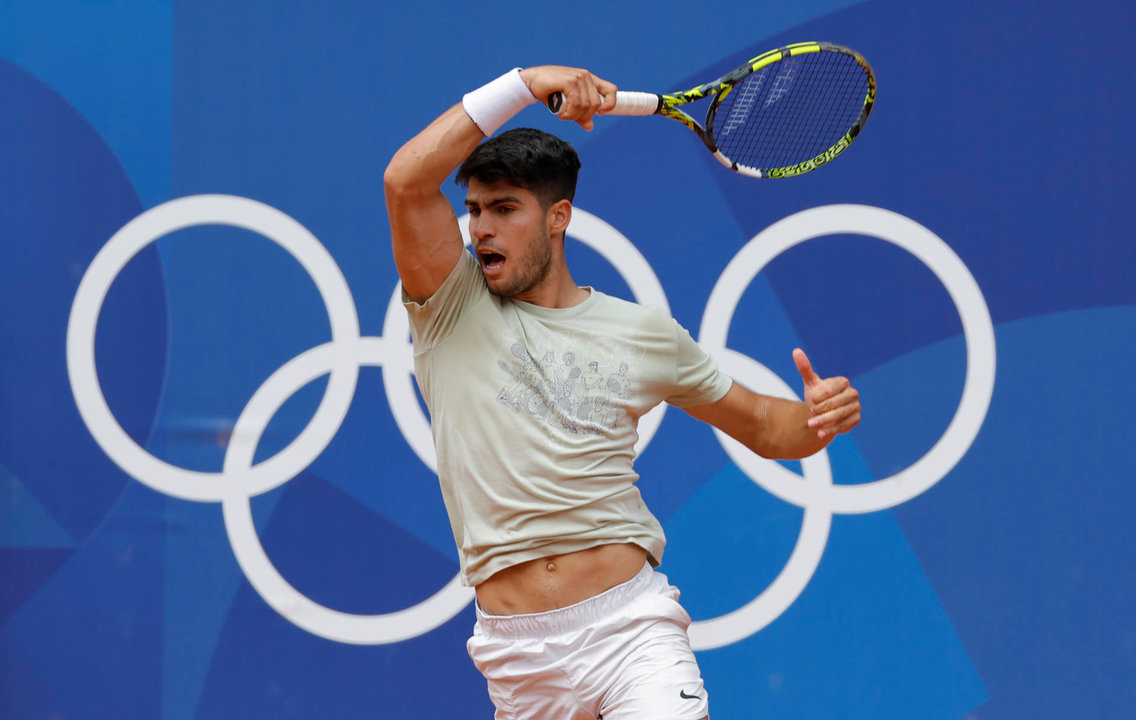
{"x": 669, "y": 105}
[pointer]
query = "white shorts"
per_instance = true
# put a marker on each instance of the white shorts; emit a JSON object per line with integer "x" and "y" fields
{"x": 621, "y": 655}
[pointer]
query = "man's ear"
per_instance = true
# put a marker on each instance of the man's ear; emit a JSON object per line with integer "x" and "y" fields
{"x": 559, "y": 215}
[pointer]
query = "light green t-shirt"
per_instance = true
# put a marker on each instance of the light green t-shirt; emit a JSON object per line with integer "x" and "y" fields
{"x": 534, "y": 413}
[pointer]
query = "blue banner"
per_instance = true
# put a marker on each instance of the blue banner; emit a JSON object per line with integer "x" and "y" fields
{"x": 219, "y": 497}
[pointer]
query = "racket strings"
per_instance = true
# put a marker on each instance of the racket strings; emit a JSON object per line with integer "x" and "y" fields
{"x": 791, "y": 111}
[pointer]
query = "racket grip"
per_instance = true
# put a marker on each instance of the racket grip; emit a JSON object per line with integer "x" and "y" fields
{"x": 626, "y": 103}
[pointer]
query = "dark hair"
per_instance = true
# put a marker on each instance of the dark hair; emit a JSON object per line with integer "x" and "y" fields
{"x": 531, "y": 159}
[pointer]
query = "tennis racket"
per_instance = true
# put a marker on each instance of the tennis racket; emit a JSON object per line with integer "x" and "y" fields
{"x": 785, "y": 112}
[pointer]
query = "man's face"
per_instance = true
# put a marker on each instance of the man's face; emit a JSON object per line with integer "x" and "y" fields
{"x": 509, "y": 229}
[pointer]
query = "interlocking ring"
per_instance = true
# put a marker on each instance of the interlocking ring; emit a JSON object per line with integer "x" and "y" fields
{"x": 341, "y": 358}
{"x": 818, "y": 495}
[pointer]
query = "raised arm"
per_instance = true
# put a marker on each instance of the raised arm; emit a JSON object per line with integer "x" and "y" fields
{"x": 785, "y": 429}
{"x": 424, "y": 230}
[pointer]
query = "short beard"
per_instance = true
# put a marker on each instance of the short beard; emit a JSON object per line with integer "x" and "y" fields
{"x": 534, "y": 266}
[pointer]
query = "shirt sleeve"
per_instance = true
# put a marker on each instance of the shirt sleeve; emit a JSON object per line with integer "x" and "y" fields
{"x": 432, "y": 321}
{"x": 698, "y": 380}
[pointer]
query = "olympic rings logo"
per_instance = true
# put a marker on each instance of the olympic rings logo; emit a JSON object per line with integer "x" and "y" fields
{"x": 348, "y": 351}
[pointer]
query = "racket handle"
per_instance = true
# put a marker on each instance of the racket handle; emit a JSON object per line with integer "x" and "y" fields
{"x": 626, "y": 103}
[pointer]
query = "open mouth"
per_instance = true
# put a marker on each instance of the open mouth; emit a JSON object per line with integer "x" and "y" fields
{"x": 491, "y": 261}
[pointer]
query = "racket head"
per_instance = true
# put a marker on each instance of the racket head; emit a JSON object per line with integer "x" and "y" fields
{"x": 785, "y": 112}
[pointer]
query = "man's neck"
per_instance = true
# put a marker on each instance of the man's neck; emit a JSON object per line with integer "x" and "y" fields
{"x": 558, "y": 290}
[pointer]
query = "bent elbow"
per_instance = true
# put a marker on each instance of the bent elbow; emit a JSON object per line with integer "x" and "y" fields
{"x": 404, "y": 183}
{"x": 397, "y": 179}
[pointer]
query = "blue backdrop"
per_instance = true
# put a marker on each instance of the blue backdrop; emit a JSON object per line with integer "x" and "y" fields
{"x": 972, "y": 250}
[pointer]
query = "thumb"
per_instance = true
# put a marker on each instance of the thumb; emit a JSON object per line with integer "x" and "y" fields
{"x": 805, "y": 368}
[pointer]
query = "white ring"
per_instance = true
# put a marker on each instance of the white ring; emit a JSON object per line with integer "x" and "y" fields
{"x": 254, "y": 561}
{"x": 798, "y": 571}
{"x": 109, "y": 262}
{"x": 978, "y": 331}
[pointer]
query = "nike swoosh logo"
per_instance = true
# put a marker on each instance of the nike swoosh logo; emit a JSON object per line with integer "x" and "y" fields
{"x": 682, "y": 694}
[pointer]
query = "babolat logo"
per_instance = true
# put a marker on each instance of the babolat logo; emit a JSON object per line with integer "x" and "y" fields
{"x": 815, "y": 162}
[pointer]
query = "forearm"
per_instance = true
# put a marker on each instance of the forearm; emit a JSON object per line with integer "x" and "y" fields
{"x": 771, "y": 427}
{"x": 423, "y": 164}
{"x": 784, "y": 432}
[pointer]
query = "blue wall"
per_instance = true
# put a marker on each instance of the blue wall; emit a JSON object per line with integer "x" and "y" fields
{"x": 965, "y": 553}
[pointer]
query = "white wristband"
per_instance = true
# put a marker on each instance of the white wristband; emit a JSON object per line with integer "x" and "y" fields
{"x": 493, "y": 104}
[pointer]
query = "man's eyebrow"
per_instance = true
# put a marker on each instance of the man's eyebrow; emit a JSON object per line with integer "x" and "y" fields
{"x": 494, "y": 201}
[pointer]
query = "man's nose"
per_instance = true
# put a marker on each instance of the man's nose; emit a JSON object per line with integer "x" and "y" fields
{"x": 480, "y": 229}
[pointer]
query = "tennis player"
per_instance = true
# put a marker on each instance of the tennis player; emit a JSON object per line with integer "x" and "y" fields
{"x": 534, "y": 386}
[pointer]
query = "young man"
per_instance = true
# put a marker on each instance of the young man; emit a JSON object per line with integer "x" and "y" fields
{"x": 534, "y": 386}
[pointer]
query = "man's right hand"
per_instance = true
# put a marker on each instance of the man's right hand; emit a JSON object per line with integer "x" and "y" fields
{"x": 585, "y": 94}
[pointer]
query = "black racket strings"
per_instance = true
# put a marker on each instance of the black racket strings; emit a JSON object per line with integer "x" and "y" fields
{"x": 793, "y": 122}
{"x": 791, "y": 111}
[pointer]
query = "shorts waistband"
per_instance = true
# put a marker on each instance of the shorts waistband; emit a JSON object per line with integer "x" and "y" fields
{"x": 571, "y": 618}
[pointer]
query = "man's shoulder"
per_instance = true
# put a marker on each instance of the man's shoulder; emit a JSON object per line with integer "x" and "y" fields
{"x": 621, "y": 308}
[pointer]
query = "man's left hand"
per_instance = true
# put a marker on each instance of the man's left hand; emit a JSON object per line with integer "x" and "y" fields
{"x": 833, "y": 404}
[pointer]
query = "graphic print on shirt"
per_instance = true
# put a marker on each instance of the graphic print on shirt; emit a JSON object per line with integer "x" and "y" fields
{"x": 583, "y": 392}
